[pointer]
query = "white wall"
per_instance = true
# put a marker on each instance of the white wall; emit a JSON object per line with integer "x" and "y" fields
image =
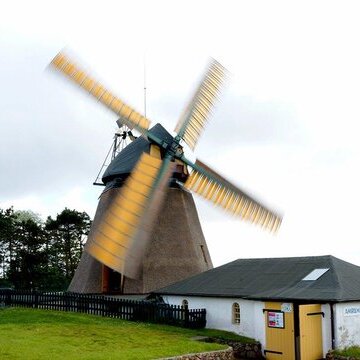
{"x": 219, "y": 314}
{"x": 326, "y": 328}
{"x": 347, "y": 324}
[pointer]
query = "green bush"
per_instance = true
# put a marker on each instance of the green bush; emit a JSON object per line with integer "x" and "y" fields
{"x": 349, "y": 351}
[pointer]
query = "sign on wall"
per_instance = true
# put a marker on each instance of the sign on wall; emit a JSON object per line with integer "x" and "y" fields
{"x": 352, "y": 311}
{"x": 276, "y": 319}
{"x": 286, "y": 307}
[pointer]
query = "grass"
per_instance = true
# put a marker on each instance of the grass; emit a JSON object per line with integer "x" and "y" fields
{"x": 349, "y": 351}
{"x": 43, "y": 334}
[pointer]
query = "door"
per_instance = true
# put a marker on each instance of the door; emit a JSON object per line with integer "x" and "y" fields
{"x": 279, "y": 333}
{"x": 111, "y": 281}
{"x": 310, "y": 319}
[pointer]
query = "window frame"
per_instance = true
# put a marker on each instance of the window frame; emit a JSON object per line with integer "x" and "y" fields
{"x": 235, "y": 312}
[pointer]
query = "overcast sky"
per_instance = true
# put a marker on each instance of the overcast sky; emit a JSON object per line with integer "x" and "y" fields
{"x": 286, "y": 129}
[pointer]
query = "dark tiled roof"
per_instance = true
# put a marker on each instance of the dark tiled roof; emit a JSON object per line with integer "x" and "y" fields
{"x": 275, "y": 279}
{"x": 125, "y": 161}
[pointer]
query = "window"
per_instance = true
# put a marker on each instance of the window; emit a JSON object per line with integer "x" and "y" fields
{"x": 315, "y": 274}
{"x": 203, "y": 253}
{"x": 185, "y": 304}
{"x": 236, "y": 313}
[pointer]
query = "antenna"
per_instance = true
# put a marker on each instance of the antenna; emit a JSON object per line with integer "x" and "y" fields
{"x": 120, "y": 141}
{"x": 144, "y": 84}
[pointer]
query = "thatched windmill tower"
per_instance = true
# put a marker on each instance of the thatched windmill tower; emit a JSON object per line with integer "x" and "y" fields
{"x": 146, "y": 233}
{"x": 176, "y": 231}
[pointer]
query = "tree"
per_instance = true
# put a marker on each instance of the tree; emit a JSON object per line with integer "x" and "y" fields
{"x": 38, "y": 255}
{"x": 66, "y": 238}
{"x": 28, "y": 265}
{"x": 7, "y": 230}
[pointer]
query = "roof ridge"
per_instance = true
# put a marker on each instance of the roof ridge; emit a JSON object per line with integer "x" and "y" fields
{"x": 334, "y": 260}
{"x": 286, "y": 257}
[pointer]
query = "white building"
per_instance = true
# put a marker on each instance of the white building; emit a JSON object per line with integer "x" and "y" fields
{"x": 304, "y": 305}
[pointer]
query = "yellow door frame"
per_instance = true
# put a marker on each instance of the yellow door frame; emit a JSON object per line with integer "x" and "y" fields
{"x": 295, "y": 333}
{"x": 310, "y": 322}
{"x": 279, "y": 332}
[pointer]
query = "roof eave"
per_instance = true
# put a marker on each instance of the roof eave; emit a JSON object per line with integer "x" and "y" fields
{"x": 260, "y": 298}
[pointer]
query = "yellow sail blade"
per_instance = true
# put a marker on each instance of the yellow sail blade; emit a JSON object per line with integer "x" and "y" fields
{"x": 128, "y": 115}
{"x": 212, "y": 186}
{"x": 195, "y": 116}
{"x": 119, "y": 234}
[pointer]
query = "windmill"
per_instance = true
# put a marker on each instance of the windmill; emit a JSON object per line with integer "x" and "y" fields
{"x": 146, "y": 231}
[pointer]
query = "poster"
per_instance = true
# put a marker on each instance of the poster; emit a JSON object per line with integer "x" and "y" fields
{"x": 276, "y": 319}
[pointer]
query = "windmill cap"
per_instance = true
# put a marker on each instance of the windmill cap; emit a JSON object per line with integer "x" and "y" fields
{"x": 125, "y": 161}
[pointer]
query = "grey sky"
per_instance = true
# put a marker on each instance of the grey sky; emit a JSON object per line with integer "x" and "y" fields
{"x": 286, "y": 128}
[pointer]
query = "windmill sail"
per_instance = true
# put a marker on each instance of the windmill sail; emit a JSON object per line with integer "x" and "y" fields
{"x": 213, "y": 187}
{"x": 128, "y": 115}
{"x": 119, "y": 239}
{"x": 195, "y": 116}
